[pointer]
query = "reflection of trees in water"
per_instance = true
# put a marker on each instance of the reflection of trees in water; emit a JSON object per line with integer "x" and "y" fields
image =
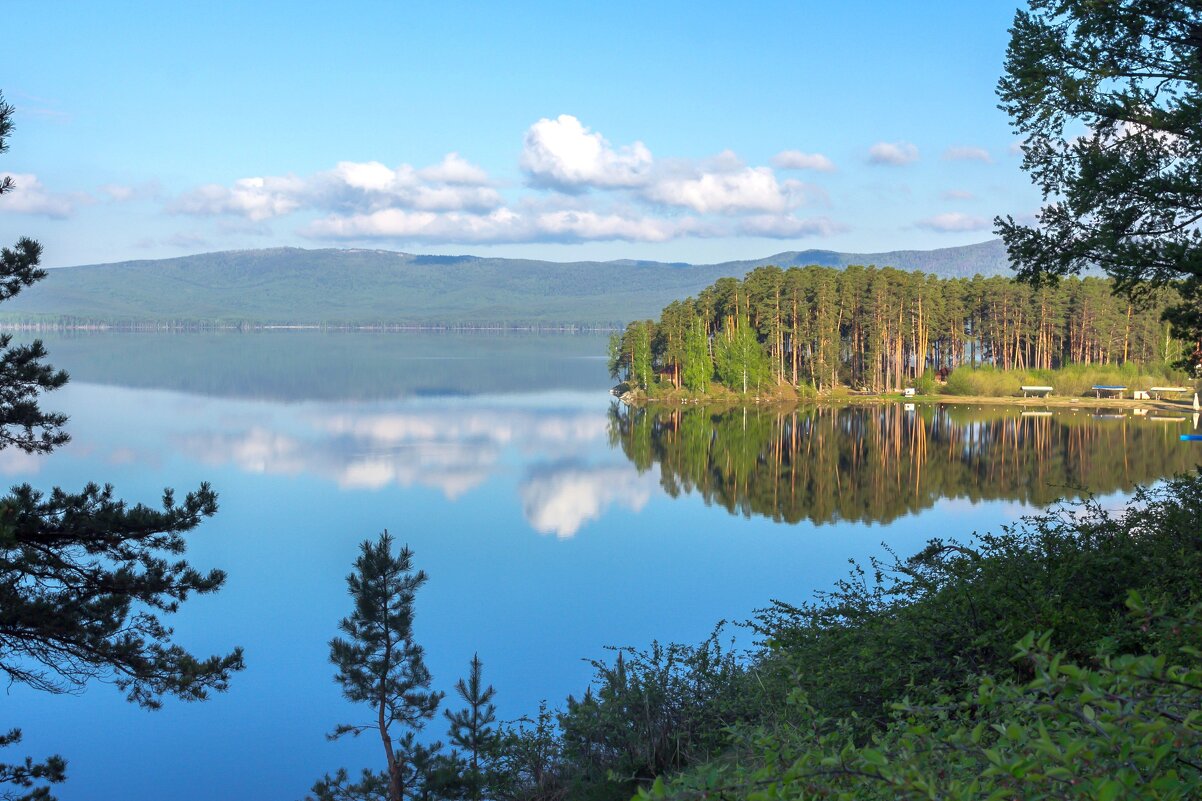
{"x": 878, "y": 463}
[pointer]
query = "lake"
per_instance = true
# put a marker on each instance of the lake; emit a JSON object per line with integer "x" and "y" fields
{"x": 551, "y": 521}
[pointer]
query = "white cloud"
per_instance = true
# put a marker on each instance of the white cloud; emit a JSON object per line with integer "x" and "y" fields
{"x": 427, "y": 226}
{"x": 501, "y": 226}
{"x": 564, "y": 154}
{"x": 454, "y": 169}
{"x": 748, "y": 189}
{"x": 372, "y": 176}
{"x": 255, "y": 198}
{"x": 967, "y": 153}
{"x": 958, "y": 194}
{"x": 892, "y": 153}
{"x": 350, "y": 187}
{"x": 455, "y": 201}
{"x": 371, "y": 186}
{"x": 557, "y": 225}
{"x": 954, "y": 221}
{"x": 30, "y": 196}
{"x": 796, "y": 160}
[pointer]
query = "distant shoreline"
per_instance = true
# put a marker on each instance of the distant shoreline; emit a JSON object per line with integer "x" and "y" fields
{"x": 251, "y": 327}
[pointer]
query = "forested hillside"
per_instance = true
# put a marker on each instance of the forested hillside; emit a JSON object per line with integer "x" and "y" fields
{"x": 376, "y": 287}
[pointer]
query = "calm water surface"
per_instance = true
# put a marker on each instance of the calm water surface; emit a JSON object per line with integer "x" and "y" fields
{"x": 551, "y": 522}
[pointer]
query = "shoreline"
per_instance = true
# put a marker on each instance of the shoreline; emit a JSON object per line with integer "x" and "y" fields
{"x": 640, "y": 400}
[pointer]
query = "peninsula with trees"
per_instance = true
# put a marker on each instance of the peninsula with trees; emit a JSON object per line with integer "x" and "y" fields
{"x": 809, "y": 333}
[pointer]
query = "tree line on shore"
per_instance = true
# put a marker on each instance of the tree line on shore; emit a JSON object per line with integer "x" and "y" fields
{"x": 819, "y": 328}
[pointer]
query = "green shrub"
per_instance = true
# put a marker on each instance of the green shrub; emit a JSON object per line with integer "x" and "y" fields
{"x": 1121, "y": 727}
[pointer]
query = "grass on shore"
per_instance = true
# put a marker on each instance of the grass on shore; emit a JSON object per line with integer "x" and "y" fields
{"x": 984, "y": 384}
{"x": 1074, "y": 380}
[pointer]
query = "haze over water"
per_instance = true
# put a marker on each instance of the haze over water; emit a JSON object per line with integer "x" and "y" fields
{"x": 551, "y": 522}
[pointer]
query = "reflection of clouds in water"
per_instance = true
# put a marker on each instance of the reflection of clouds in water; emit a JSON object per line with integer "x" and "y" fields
{"x": 452, "y": 450}
{"x": 537, "y": 431}
{"x": 559, "y": 499}
{"x": 349, "y": 462}
{"x": 257, "y": 450}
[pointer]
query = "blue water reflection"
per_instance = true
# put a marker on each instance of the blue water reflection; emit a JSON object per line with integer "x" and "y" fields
{"x": 542, "y": 539}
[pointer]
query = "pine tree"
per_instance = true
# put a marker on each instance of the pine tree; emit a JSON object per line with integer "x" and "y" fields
{"x": 471, "y": 727}
{"x": 381, "y": 666}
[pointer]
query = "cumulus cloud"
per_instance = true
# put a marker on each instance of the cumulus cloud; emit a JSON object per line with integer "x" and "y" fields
{"x": 796, "y": 160}
{"x": 29, "y": 195}
{"x": 967, "y": 153}
{"x": 501, "y": 226}
{"x": 257, "y": 199}
{"x": 954, "y": 221}
{"x": 633, "y": 199}
{"x": 454, "y": 169}
{"x": 892, "y": 153}
{"x": 454, "y": 184}
{"x": 370, "y": 186}
{"x": 564, "y": 154}
{"x": 748, "y": 189}
{"x": 562, "y": 225}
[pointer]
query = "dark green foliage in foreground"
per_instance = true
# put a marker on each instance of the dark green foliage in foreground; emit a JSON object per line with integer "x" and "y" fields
{"x": 903, "y": 681}
{"x": 953, "y": 611}
{"x": 1108, "y": 98}
{"x": 85, "y": 580}
{"x": 472, "y": 727}
{"x": 1116, "y": 727}
{"x": 29, "y": 775}
{"x": 646, "y": 713}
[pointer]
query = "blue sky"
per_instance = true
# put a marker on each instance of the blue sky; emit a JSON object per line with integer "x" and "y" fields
{"x": 674, "y": 131}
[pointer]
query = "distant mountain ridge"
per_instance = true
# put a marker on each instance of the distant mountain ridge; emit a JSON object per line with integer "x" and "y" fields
{"x": 279, "y": 286}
